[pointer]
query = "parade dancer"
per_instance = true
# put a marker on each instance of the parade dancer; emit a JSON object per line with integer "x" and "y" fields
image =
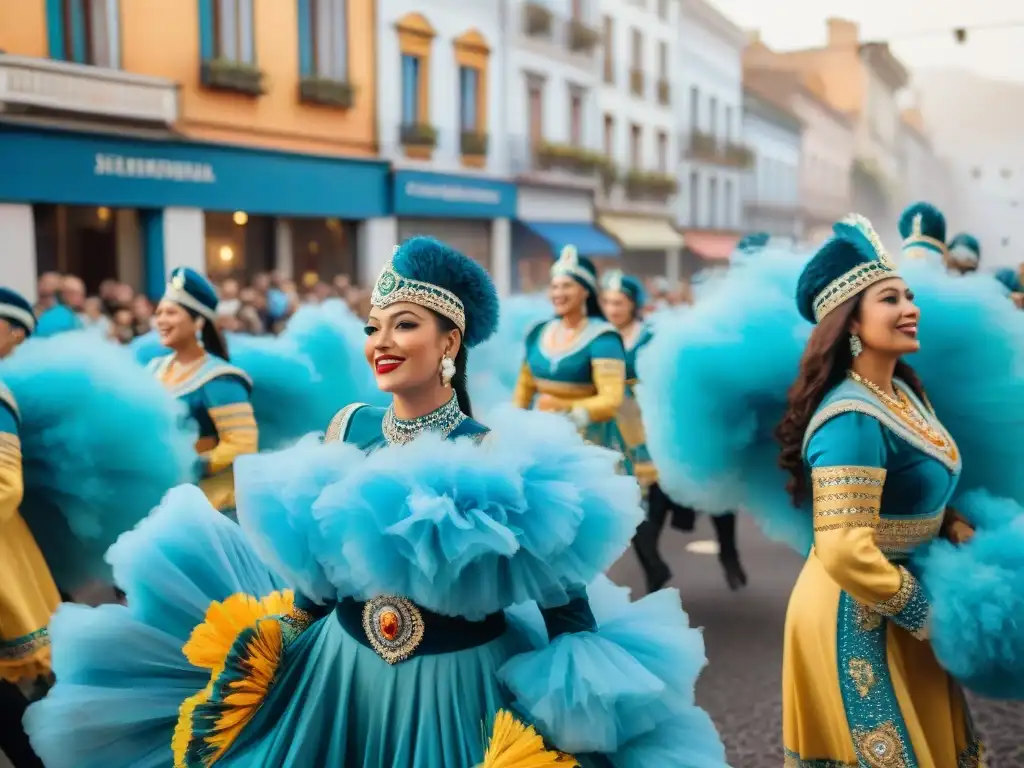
{"x": 28, "y": 594}
{"x": 197, "y": 372}
{"x": 912, "y": 586}
{"x": 440, "y": 615}
{"x": 964, "y": 253}
{"x": 923, "y": 229}
{"x": 575, "y": 364}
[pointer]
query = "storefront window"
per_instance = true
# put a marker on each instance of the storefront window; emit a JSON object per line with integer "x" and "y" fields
{"x": 238, "y": 245}
{"x": 323, "y": 247}
{"x": 93, "y": 243}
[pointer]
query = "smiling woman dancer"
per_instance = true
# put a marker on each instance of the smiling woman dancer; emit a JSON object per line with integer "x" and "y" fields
{"x": 441, "y": 608}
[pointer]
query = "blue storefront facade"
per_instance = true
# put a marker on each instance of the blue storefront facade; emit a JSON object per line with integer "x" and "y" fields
{"x": 86, "y": 202}
{"x": 471, "y": 213}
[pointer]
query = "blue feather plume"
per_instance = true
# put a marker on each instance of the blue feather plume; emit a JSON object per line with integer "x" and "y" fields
{"x": 494, "y": 365}
{"x": 713, "y": 385}
{"x": 101, "y": 445}
{"x": 971, "y": 363}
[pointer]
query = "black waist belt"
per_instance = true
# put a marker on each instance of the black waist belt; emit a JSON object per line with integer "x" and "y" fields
{"x": 397, "y": 629}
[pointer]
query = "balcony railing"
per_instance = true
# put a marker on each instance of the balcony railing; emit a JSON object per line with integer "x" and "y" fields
{"x": 708, "y": 148}
{"x": 47, "y": 85}
{"x": 649, "y": 185}
{"x": 574, "y": 35}
{"x": 571, "y": 164}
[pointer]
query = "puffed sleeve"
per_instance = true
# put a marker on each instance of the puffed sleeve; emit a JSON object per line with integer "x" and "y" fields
{"x": 11, "y": 482}
{"x": 847, "y": 456}
{"x": 608, "y": 372}
{"x": 526, "y": 388}
{"x": 227, "y": 401}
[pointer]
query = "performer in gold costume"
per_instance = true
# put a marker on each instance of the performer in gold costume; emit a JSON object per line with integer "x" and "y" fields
{"x": 861, "y": 684}
{"x": 576, "y": 363}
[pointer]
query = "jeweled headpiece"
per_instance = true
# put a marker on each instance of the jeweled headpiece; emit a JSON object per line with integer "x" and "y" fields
{"x": 570, "y": 264}
{"x": 616, "y": 280}
{"x": 428, "y": 272}
{"x": 15, "y": 309}
{"x": 923, "y": 229}
{"x": 851, "y": 261}
{"x": 392, "y": 288}
{"x": 192, "y": 291}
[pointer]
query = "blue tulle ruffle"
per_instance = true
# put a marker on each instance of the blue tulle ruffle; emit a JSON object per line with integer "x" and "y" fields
{"x": 495, "y": 364}
{"x": 121, "y": 674}
{"x": 976, "y": 624}
{"x": 713, "y": 385}
{"x": 147, "y": 347}
{"x": 101, "y": 444}
{"x": 972, "y": 364}
{"x": 622, "y": 690}
{"x": 458, "y": 527}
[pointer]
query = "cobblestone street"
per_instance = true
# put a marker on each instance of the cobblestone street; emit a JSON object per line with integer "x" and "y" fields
{"x": 743, "y": 633}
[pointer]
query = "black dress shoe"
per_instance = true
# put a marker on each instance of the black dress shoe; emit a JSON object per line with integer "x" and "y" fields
{"x": 735, "y": 576}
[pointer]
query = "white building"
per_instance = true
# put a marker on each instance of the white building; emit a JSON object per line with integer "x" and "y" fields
{"x": 442, "y": 117}
{"x": 975, "y": 123}
{"x": 771, "y": 186}
{"x": 640, "y": 89}
{"x": 826, "y": 152}
{"x": 708, "y": 122}
{"x": 551, "y": 72}
{"x": 925, "y": 175}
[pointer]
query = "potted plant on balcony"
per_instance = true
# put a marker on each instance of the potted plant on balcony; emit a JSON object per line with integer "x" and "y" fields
{"x": 739, "y": 155}
{"x": 644, "y": 185}
{"x": 582, "y": 38}
{"x": 568, "y": 158}
{"x": 538, "y": 19}
{"x": 419, "y": 140}
{"x": 473, "y": 143}
{"x": 703, "y": 145}
{"x": 330, "y": 93}
{"x": 236, "y": 76}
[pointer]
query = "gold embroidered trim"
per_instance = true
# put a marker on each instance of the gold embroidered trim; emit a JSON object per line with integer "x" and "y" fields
{"x": 609, "y": 367}
{"x": 867, "y": 620}
{"x": 882, "y": 747}
{"x": 863, "y": 676}
{"x": 900, "y": 536}
{"x": 339, "y": 424}
{"x": 846, "y": 497}
{"x": 896, "y": 603}
{"x": 393, "y": 288}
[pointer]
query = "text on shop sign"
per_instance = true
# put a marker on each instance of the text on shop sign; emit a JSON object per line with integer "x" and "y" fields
{"x": 452, "y": 193}
{"x": 153, "y": 168}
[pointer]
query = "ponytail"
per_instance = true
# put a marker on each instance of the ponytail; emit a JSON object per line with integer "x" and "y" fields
{"x": 460, "y": 382}
{"x": 213, "y": 340}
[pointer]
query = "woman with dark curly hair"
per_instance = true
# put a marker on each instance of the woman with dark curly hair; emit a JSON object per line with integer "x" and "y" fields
{"x": 862, "y": 444}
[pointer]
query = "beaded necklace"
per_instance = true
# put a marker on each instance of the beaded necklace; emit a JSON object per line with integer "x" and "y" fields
{"x": 444, "y": 420}
{"x": 908, "y": 414}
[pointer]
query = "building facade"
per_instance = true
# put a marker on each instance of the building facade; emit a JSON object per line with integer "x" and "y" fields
{"x": 709, "y": 122}
{"x": 443, "y": 126}
{"x": 826, "y": 150}
{"x": 861, "y": 80}
{"x": 555, "y": 143}
{"x": 639, "y": 89}
{"x": 984, "y": 158}
{"x": 771, "y": 186}
{"x": 926, "y": 176}
{"x": 232, "y": 136}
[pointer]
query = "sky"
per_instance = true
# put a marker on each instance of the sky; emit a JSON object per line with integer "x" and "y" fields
{"x": 920, "y": 32}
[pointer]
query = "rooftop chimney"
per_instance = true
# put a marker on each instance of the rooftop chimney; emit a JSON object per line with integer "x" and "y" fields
{"x": 842, "y": 33}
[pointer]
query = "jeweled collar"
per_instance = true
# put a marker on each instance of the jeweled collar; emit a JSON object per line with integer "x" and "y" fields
{"x": 444, "y": 420}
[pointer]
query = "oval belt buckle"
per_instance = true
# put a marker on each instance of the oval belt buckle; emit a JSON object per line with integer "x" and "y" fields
{"x": 394, "y": 627}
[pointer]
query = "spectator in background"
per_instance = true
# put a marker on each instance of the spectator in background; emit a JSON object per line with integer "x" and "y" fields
{"x": 72, "y": 294}
{"x": 56, "y": 317}
{"x": 229, "y": 301}
{"x": 47, "y": 290}
{"x": 123, "y": 328}
{"x": 94, "y": 317}
{"x": 142, "y": 310}
{"x": 248, "y": 315}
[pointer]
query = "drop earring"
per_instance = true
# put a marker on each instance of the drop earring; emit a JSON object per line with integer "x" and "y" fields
{"x": 447, "y": 370}
{"x": 855, "y": 345}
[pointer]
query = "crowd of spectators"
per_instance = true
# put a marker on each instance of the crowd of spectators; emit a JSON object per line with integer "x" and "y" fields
{"x": 262, "y": 306}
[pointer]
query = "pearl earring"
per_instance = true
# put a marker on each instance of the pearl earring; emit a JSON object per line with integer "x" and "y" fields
{"x": 447, "y": 370}
{"x": 855, "y": 345}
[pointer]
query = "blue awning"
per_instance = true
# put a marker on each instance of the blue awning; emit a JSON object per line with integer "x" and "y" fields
{"x": 588, "y": 239}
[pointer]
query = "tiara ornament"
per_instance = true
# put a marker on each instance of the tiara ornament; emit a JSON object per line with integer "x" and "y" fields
{"x": 568, "y": 265}
{"x": 392, "y": 288}
{"x": 865, "y": 274}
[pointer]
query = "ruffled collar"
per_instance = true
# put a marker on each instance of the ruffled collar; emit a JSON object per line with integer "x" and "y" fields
{"x": 444, "y": 420}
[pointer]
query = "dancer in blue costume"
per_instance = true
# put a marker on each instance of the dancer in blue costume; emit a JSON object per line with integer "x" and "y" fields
{"x": 964, "y": 254}
{"x": 575, "y": 364}
{"x": 895, "y": 555}
{"x": 215, "y": 393}
{"x": 923, "y": 229}
{"x": 439, "y": 569}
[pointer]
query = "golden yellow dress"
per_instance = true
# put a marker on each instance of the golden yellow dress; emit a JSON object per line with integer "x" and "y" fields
{"x": 585, "y": 378}
{"x": 861, "y": 685}
{"x": 217, "y": 396}
{"x": 28, "y": 596}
